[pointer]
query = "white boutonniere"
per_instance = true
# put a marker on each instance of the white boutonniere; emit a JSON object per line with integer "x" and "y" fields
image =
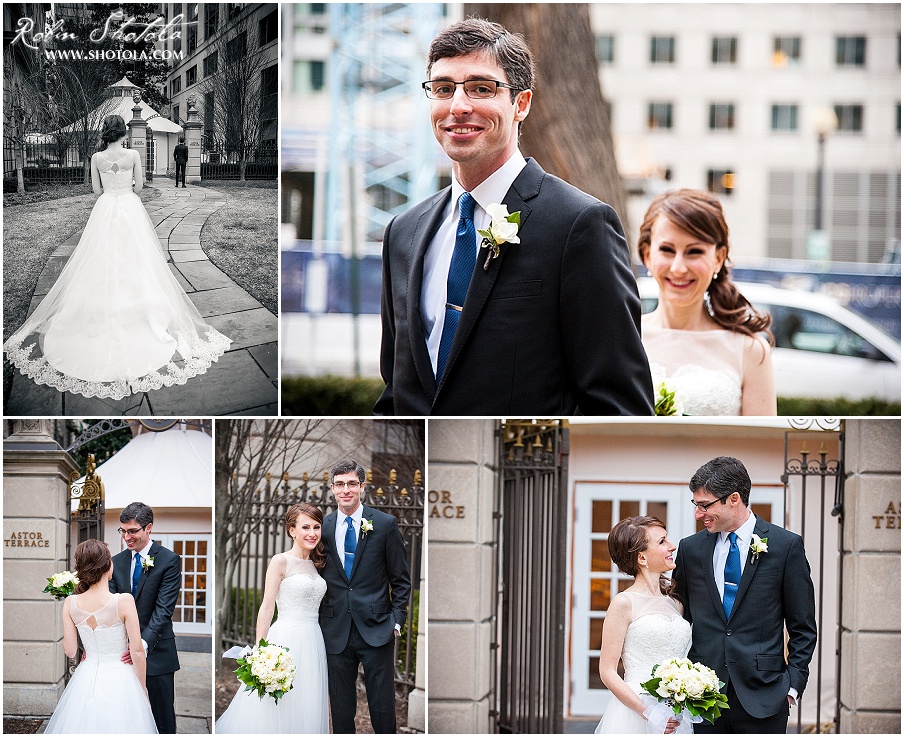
{"x": 147, "y": 563}
{"x": 758, "y": 545}
{"x": 366, "y": 526}
{"x": 503, "y": 229}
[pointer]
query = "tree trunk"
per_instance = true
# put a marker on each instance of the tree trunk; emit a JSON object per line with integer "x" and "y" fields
{"x": 568, "y": 130}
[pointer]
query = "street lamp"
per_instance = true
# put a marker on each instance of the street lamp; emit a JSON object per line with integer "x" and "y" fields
{"x": 824, "y": 122}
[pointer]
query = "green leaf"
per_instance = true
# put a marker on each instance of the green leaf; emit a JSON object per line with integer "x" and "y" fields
{"x": 515, "y": 217}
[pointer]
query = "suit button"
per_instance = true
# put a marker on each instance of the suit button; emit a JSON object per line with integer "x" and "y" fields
{"x": 728, "y": 633}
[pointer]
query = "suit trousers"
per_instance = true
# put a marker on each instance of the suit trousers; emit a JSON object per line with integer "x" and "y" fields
{"x": 737, "y": 721}
{"x": 162, "y": 695}
{"x": 180, "y": 166}
{"x": 379, "y": 682}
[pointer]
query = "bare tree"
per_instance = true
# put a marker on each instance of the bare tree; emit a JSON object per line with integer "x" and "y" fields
{"x": 239, "y": 100}
{"x": 568, "y": 131}
{"x": 23, "y": 105}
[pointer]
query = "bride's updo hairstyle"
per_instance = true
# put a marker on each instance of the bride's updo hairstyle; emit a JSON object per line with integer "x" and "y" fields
{"x": 113, "y": 129}
{"x": 700, "y": 214}
{"x": 92, "y": 563}
{"x": 627, "y": 540}
{"x": 318, "y": 554}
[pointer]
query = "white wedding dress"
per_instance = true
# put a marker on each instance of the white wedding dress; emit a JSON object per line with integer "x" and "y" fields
{"x": 305, "y": 708}
{"x": 657, "y": 632}
{"x": 104, "y": 695}
{"x": 116, "y": 321}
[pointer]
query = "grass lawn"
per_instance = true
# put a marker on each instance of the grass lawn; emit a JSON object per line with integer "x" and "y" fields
{"x": 241, "y": 238}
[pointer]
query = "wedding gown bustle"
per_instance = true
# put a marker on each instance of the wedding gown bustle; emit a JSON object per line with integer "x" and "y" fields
{"x": 705, "y": 368}
{"x": 116, "y": 321}
{"x": 104, "y": 695}
{"x": 304, "y": 709}
{"x": 657, "y": 632}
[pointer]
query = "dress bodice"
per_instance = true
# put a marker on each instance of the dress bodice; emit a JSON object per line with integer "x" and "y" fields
{"x": 115, "y": 174}
{"x": 103, "y": 633}
{"x": 300, "y": 591}
{"x": 704, "y": 368}
{"x": 657, "y": 632}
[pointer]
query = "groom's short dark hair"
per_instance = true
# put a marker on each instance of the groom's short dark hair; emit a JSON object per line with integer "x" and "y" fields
{"x": 721, "y": 476}
{"x": 138, "y": 511}
{"x": 347, "y": 466}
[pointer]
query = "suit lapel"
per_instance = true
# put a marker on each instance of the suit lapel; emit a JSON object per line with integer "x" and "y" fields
{"x": 367, "y": 514}
{"x": 526, "y": 186}
{"x": 329, "y": 534}
{"x": 750, "y": 567}
{"x": 121, "y": 572}
{"x": 709, "y": 550}
{"x": 155, "y": 547}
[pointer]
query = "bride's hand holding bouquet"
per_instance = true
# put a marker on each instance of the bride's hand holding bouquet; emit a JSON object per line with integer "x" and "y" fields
{"x": 685, "y": 691}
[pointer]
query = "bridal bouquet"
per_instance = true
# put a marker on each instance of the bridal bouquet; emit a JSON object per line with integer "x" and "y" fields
{"x": 685, "y": 691}
{"x": 61, "y": 585}
{"x": 267, "y": 669}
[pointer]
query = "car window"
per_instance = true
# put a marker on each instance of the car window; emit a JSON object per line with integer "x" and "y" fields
{"x": 805, "y": 330}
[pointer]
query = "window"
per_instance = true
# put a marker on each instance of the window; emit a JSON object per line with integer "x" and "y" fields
{"x": 191, "y": 75}
{"x": 268, "y": 28}
{"x": 850, "y": 118}
{"x": 784, "y": 117}
{"x": 605, "y": 49}
{"x": 785, "y": 51}
{"x": 318, "y": 8}
{"x": 237, "y": 47}
{"x": 662, "y": 50}
{"x": 720, "y": 181}
{"x": 211, "y": 19}
{"x": 233, "y": 9}
{"x": 725, "y": 50}
{"x": 804, "y": 330}
{"x": 850, "y": 51}
{"x": 192, "y": 39}
{"x": 659, "y": 116}
{"x": 210, "y": 64}
{"x": 269, "y": 91}
{"x": 721, "y": 116}
{"x": 898, "y": 118}
{"x": 175, "y": 113}
{"x": 175, "y": 86}
{"x": 317, "y": 75}
{"x": 208, "y": 119}
{"x": 177, "y": 10}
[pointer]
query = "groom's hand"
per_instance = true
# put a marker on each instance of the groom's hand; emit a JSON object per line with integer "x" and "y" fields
{"x": 127, "y": 657}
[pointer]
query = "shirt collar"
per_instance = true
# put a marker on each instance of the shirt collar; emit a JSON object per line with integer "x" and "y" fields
{"x": 356, "y": 516}
{"x": 145, "y": 550}
{"x": 493, "y": 189}
{"x": 744, "y": 532}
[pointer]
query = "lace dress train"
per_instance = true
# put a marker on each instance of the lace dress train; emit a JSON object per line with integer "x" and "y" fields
{"x": 116, "y": 321}
{"x": 104, "y": 695}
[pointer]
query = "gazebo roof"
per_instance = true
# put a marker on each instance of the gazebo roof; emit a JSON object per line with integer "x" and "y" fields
{"x": 122, "y": 105}
{"x": 124, "y": 82}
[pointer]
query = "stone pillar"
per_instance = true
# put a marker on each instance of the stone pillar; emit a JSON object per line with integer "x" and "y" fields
{"x": 871, "y": 579}
{"x": 462, "y": 544}
{"x": 138, "y": 133}
{"x": 192, "y": 130}
{"x": 417, "y": 701}
{"x": 35, "y": 533}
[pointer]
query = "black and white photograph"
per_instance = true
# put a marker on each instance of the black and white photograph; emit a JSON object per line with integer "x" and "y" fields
{"x": 140, "y": 208}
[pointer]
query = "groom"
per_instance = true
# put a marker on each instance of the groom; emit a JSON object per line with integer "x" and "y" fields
{"x": 153, "y": 576}
{"x": 743, "y": 581}
{"x": 366, "y": 602}
{"x": 552, "y": 325}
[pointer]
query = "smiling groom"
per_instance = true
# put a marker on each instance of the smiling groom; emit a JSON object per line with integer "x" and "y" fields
{"x": 544, "y": 319}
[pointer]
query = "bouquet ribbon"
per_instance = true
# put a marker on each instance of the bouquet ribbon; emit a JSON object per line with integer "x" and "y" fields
{"x": 658, "y": 714}
{"x": 237, "y": 652}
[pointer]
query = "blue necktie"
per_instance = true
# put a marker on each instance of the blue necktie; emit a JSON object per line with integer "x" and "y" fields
{"x": 464, "y": 257}
{"x": 732, "y": 574}
{"x": 350, "y": 544}
{"x": 137, "y": 574}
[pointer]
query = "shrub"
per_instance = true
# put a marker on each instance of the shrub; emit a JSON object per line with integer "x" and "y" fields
{"x": 329, "y": 395}
{"x": 800, "y": 407}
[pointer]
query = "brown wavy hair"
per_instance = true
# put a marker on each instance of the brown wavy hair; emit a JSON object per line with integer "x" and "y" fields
{"x": 700, "y": 214}
{"x": 92, "y": 562}
{"x": 627, "y": 540}
{"x": 318, "y": 554}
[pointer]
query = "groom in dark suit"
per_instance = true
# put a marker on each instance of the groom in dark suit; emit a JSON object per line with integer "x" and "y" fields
{"x": 366, "y": 602}
{"x": 743, "y": 581}
{"x": 551, "y": 324}
{"x": 153, "y": 576}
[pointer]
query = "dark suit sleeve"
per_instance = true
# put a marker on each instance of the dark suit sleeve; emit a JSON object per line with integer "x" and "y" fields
{"x": 397, "y": 573}
{"x": 800, "y": 614}
{"x": 384, "y": 405}
{"x": 167, "y": 596}
{"x": 678, "y": 576}
{"x": 601, "y": 318}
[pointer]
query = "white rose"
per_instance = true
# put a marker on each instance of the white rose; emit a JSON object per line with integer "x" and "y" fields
{"x": 505, "y": 232}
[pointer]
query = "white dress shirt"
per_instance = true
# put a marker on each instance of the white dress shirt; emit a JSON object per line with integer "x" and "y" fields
{"x": 745, "y": 537}
{"x": 438, "y": 258}
{"x": 342, "y": 526}
{"x": 144, "y": 556}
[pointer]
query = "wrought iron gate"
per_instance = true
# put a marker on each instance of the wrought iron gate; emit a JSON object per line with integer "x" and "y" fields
{"x": 821, "y": 482}
{"x": 530, "y": 637}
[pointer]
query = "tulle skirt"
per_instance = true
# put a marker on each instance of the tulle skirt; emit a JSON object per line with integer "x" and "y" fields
{"x": 304, "y": 709}
{"x": 116, "y": 321}
{"x": 619, "y": 719}
{"x": 103, "y": 697}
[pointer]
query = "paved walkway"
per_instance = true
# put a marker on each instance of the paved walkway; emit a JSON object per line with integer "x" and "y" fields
{"x": 242, "y": 382}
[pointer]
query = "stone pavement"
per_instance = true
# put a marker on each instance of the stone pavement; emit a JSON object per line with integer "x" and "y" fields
{"x": 244, "y": 381}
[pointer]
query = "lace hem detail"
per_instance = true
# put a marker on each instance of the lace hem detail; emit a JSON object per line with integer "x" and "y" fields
{"x": 197, "y": 354}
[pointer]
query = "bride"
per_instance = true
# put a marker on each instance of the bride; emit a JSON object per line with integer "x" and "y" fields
{"x": 643, "y": 626}
{"x": 116, "y": 321}
{"x": 104, "y": 695}
{"x": 295, "y": 586}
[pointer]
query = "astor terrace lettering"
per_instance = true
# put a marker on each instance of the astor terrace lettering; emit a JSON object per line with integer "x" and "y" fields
{"x": 891, "y": 519}
{"x": 443, "y": 506}
{"x": 26, "y": 540}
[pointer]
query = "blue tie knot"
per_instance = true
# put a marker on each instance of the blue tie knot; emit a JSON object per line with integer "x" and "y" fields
{"x": 733, "y": 538}
{"x": 466, "y": 206}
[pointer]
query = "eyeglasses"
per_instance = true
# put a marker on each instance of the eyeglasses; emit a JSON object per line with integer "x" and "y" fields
{"x": 476, "y": 89}
{"x": 352, "y": 485}
{"x": 703, "y": 506}
{"x": 134, "y": 531}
